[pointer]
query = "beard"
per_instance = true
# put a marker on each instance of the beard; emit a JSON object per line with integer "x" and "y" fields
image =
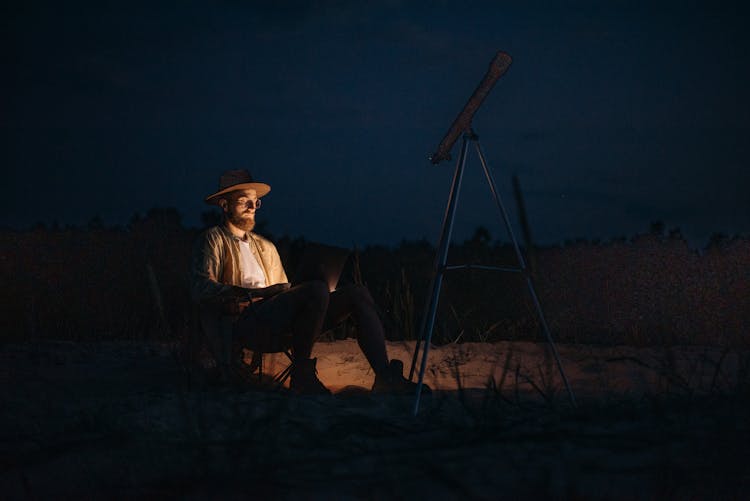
{"x": 241, "y": 223}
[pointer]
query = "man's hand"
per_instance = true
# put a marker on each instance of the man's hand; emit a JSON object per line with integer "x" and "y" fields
{"x": 270, "y": 291}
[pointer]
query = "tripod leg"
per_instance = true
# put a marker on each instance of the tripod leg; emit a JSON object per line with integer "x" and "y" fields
{"x": 522, "y": 263}
{"x": 420, "y": 336}
{"x": 547, "y": 334}
{"x": 440, "y": 261}
{"x": 500, "y": 206}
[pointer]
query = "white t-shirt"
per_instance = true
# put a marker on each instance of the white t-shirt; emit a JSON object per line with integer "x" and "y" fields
{"x": 252, "y": 273}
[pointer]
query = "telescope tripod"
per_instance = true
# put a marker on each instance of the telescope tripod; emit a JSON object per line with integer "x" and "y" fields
{"x": 428, "y": 319}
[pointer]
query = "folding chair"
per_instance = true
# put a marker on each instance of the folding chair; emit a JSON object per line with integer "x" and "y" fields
{"x": 221, "y": 343}
{"x": 281, "y": 344}
{"x": 279, "y": 378}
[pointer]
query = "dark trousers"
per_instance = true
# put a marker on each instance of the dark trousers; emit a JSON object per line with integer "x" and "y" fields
{"x": 298, "y": 316}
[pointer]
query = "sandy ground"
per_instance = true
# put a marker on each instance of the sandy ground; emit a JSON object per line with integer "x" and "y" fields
{"x": 87, "y": 420}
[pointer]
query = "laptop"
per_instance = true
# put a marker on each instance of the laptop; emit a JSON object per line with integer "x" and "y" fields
{"x": 321, "y": 262}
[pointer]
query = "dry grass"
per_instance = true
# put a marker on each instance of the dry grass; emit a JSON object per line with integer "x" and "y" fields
{"x": 114, "y": 284}
{"x": 152, "y": 437}
{"x": 167, "y": 433}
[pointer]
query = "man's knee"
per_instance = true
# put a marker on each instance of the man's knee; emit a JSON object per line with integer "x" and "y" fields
{"x": 316, "y": 294}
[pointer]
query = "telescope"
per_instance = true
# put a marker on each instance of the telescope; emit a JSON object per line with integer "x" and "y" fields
{"x": 499, "y": 65}
{"x": 461, "y": 127}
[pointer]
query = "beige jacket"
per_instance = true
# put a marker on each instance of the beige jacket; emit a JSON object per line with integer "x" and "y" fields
{"x": 215, "y": 275}
{"x": 216, "y": 264}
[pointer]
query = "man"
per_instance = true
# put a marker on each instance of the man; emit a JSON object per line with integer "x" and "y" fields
{"x": 238, "y": 281}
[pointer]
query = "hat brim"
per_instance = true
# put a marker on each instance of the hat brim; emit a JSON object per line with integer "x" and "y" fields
{"x": 261, "y": 190}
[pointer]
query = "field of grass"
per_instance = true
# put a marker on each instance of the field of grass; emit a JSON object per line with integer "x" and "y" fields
{"x": 99, "y": 395}
{"x": 89, "y": 420}
{"x": 132, "y": 283}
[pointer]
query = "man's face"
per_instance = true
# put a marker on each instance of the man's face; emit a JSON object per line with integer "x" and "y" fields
{"x": 239, "y": 208}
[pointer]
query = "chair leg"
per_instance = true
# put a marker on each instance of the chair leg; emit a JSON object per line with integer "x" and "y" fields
{"x": 282, "y": 376}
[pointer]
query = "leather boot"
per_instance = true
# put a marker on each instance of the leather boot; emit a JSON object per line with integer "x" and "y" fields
{"x": 393, "y": 382}
{"x": 304, "y": 378}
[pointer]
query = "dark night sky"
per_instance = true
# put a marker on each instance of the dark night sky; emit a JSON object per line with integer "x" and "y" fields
{"x": 612, "y": 115}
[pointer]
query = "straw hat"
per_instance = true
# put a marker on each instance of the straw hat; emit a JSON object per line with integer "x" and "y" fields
{"x": 233, "y": 180}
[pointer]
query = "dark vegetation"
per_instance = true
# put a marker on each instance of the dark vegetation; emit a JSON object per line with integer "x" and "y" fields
{"x": 101, "y": 282}
{"x": 83, "y": 422}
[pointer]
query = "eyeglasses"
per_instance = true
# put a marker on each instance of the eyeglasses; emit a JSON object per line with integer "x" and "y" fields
{"x": 250, "y": 204}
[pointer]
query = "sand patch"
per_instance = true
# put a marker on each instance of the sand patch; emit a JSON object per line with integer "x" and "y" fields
{"x": 87, "y": 420}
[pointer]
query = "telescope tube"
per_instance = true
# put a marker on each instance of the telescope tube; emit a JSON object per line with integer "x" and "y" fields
{"x": 499, "y": 65}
